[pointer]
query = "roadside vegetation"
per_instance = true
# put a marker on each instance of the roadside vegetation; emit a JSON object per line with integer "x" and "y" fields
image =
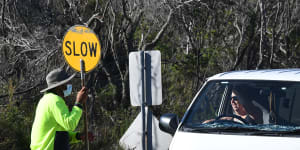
{"x": 197, "y": 39}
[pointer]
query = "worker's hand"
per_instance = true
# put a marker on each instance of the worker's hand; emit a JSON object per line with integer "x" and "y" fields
{"x": 82, "y": 95}
{"x": 90, "y": 136}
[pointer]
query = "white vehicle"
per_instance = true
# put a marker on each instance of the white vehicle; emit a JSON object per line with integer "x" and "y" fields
{"x": 241, "y": 110}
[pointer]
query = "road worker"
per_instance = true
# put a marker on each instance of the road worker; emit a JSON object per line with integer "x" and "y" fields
{"x": 54, "y": 124}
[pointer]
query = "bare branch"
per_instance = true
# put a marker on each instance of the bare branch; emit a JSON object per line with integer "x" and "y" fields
{"x": 22, "y": 92}
{"x": 190, "y": 1}
{"x": 3, "y": 14}
{"x": 124, "y": 11}
{"x": 95, "y": 16}
{"x": 151, "y": 45}
{"x": 274, "y": 35}
{"x": 239, "y": 56}
{"x": 141, "y": 41}
{"x": 112, "y": 39}
{"x": 188, "y": 29}
{"x": 262, "y": 32}
{"x": 129, "y": 35}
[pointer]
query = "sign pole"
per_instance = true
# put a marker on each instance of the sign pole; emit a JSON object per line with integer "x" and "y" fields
{"x": 145, "y": 90}
{"x": 143, "y": 71}
{"x": 82, "y": 72}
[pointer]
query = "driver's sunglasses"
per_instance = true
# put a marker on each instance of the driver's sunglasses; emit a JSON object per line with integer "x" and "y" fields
{"x": 234, "y": 98}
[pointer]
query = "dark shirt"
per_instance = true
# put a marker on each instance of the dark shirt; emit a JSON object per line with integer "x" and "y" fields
{"x": 250, "y": 120}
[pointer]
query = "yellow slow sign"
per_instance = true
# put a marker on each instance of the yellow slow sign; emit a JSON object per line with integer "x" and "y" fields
{"x": 81, "y": 42}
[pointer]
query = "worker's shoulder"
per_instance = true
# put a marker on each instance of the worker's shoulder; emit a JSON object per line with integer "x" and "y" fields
{"x": 51, "y": 98}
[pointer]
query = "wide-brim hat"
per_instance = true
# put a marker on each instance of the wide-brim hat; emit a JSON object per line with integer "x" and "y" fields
{"x": 57, "y": 77}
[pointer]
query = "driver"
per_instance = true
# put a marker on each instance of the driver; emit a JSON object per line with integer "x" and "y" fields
{"x": 238, "y": 104}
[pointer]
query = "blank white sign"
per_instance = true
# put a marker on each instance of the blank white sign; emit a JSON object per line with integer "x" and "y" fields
{"x": 153, "y": 78}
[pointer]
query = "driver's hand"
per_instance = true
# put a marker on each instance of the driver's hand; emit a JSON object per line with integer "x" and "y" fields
{"x": 226, "y": 118}
{"x": 207, "y": 121}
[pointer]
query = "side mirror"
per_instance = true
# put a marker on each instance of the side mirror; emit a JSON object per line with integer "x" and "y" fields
{"x": 169, "y": 123}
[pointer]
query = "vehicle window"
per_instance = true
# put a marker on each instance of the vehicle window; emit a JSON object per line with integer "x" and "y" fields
{"x": 208, "y": 103}
{"x": 287, "y": 109}
{"x": 263, "y": 105}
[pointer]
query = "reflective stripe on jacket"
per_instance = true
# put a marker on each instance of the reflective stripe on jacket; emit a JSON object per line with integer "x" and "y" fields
{"x": 52, "y": 114}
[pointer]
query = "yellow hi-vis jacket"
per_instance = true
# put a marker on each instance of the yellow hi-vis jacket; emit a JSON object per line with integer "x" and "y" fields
{"x": 52, "y": 115}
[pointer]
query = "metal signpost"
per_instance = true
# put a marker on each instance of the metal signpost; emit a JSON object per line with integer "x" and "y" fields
{"x": 144, "y": 102}
{"x": 145, "y": 90}
{"x": 82, "y": 51}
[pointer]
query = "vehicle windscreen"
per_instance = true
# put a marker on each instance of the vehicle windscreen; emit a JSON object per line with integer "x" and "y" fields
{"x": 246, "y": 107}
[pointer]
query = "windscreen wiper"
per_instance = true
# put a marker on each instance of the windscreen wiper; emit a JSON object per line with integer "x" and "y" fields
{"x": 276, "y": 132}
{"x": 244, "y": 130}
{"x": 234, "y": 129}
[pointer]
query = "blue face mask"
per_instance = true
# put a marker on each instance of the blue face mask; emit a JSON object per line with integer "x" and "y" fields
{"x": 68, "y": 91}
